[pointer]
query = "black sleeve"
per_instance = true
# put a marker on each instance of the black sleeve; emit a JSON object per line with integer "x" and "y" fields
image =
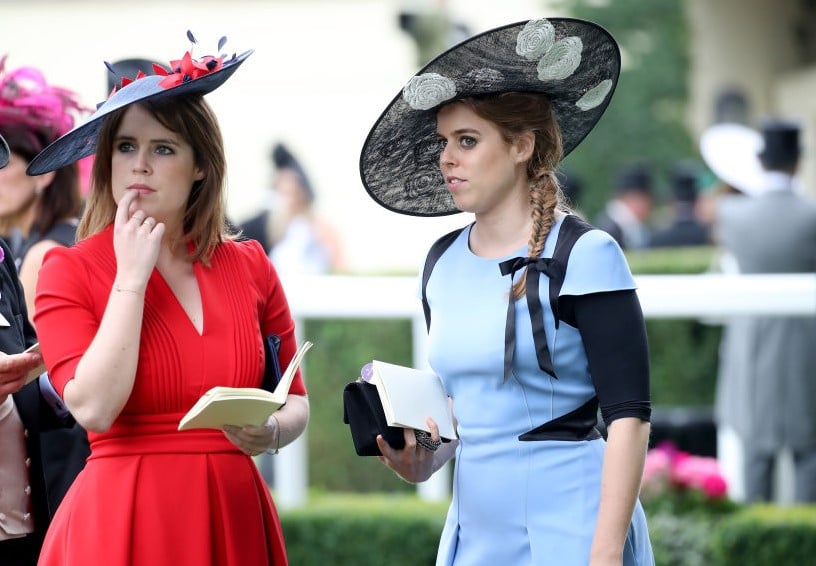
{"x": 614, "y": 334}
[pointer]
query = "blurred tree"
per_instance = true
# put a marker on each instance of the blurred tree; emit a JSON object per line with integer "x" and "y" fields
{"x": 645, "y": 121}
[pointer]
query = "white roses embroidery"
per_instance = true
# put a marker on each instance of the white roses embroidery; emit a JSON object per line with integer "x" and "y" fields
{"x": 594, "y": 96}
{"x": 557, "y": 60}
{"x": 425, "y": 91}
{"x": 535, "y": 39}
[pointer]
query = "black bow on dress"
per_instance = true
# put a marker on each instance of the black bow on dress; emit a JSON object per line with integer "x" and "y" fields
{"x": 535, "y": 267}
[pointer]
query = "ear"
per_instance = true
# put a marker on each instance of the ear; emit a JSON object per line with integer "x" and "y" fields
{"x": 523, "y": 146}
{"x": 199, "y": 174}
{"x": 42, "y": 181}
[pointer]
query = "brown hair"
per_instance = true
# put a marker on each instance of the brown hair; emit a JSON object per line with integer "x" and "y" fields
{"x": 516, "y": 113}
{"x": 192, "y": 118}
{"x": 61, "y": 198}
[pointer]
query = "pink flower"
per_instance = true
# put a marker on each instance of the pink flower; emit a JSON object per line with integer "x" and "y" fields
{"x": 666, "y": 467}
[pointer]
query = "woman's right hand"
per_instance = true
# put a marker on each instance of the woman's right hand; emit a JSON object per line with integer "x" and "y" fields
{"x": 136, "y": 242}
{"x": 412, "y": 463}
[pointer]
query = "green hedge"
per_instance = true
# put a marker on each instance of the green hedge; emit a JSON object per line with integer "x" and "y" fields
{"x": 402, "y": 530}
{"x": 359, "y": 530}
{"x": 767, "y": 535}
{"x": 341, "y": 348}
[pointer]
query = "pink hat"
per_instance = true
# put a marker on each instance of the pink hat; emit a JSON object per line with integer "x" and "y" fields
{"x": 28, "y": 101}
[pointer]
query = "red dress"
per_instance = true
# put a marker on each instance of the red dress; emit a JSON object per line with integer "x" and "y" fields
{"x": 150, "y": 494}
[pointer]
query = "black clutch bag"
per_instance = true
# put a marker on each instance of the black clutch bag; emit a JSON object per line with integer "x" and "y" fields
{"x": 272, "y": 369}
{"x": 363, "y": 412}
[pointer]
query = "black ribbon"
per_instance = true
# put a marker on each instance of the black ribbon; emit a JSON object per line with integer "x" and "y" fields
{"x": 535, "y": 267}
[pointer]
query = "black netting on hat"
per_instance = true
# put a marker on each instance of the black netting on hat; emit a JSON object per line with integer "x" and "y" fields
{"x": 399, "y": 163}
{"x": 4, "y": 153}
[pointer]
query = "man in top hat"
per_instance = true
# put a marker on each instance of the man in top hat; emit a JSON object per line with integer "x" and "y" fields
{"x": 626, "y": 216}
{"x": 685, "y": 229}
{"x": 767, "y": 383}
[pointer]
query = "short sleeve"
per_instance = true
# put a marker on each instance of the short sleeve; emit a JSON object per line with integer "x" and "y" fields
{"x": 596, "y": 264}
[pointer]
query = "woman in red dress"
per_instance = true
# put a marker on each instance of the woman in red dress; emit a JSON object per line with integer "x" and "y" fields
{"x": 153, "y": 306}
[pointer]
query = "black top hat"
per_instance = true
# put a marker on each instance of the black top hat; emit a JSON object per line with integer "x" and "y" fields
{"x": 4, "y": 153}
{"x": 128, "y": 68}
{"x": 781, "y": 147}
{"x": 684, "y": 182}
{"x": 634, "y": 179}
{"x": 575, "y": 63}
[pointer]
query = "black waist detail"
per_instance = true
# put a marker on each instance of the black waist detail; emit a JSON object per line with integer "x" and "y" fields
{"x": 575, "y": 425}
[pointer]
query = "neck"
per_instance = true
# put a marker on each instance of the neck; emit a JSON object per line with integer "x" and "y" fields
{"x": 22, "y": 218}
{"x": 495, "y": 235}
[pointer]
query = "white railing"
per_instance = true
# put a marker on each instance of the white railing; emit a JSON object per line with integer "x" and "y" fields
{"x": 662, "y": 296}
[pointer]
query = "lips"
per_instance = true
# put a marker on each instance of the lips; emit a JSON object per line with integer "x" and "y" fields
{"x": 141, "y": 189}
{"x": 454, "y": 183}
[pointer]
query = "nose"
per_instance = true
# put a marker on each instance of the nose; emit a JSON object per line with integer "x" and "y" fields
{"x": 446, "y": 155}
{"x": 141, "y": 163}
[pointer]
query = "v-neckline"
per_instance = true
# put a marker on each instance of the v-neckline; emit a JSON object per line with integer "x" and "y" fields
{"x": 179, "y": 306}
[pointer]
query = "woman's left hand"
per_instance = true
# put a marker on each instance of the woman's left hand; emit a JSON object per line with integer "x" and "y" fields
{"x": 253, "y": 440}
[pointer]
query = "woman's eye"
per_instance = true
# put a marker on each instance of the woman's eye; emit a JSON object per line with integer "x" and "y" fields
{"x": 164, "y": 150}
{"x": 467, "y": 141}
{"x": 124, "y": 147}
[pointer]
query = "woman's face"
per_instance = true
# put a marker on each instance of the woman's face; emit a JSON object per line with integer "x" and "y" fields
{"x": 156, "y": 162}
{"x": 480, "y": 168}
{"x": 290, "y": 194}
{"x": 18, "y": 191}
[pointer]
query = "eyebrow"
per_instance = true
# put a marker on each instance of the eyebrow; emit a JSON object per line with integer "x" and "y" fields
{"x": 166, "y": 141}
{"x": 461, "y": 131}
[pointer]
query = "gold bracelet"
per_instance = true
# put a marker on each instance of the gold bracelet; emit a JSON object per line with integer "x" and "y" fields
{"x": 119, "y": 289}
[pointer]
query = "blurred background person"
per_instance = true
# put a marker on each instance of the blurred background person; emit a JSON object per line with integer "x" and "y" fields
{"x": 731, "y": 152}
{"x": 685, "y": 227}
{"x": 626, "y": 216}
{"x": 298, "y": 240}
{"x": 34, "y": 472}
{"x": 41, "y": 212}
{"x": 766, "y": 390}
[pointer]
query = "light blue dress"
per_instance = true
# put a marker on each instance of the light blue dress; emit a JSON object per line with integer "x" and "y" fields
{"x": 518, "y": 503}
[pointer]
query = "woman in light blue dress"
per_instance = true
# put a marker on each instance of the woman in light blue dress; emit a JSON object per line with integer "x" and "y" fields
{"x": 534, "y": 318}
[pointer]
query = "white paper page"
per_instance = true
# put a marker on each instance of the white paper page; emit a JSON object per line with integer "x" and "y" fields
{"x": 410, "y": 395}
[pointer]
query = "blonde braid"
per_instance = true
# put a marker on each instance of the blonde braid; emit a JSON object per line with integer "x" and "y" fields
{"x": 544, "y": 198}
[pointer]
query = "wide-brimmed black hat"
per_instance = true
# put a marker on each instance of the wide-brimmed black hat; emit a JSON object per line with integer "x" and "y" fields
{"x": 575, "y": 63}
{"x": 4, "y": 153}
{"x": 186, "y": 76}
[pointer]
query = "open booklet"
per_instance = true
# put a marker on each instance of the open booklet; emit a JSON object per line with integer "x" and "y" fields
{"x": 410, "y": 395}
{"x": 241, "y": 406}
